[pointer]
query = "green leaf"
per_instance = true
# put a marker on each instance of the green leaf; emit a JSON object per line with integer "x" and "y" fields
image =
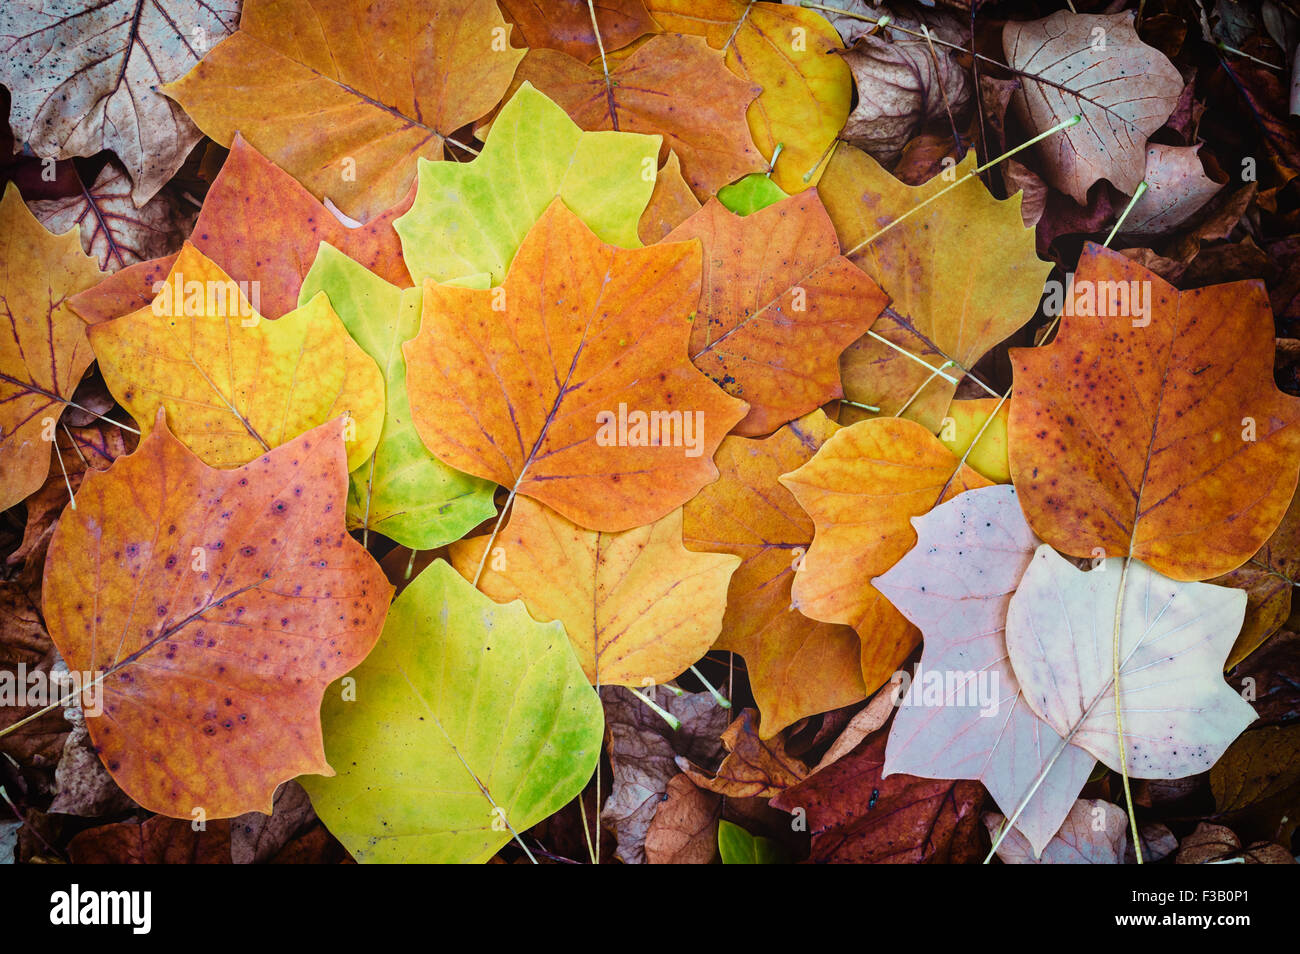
{"x": 739, "y": 847}
{"x": 401, "y": 491}
{"x": 755, "y": 191}
{"x": 471, "y": 720}
{"x": 471, "y": 217}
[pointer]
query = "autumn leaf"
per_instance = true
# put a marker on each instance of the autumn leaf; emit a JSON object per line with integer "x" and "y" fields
{"x": 970, "y": 420}
{"x": 396, "y": 78}
{"x": 755, "y": 766}
{"x": 1094, "y": 833}
{"x": 642, "y": 753}
{"x": 1153, "y": 429}
{"x": 506, "y": 728}
{"x": 44, "y": 352}
{"x": 1177, "y": 187}
{"x": 1179, "y": 715}
{"x": 1261, "y": 767}
{"x": 84, "y": 77}
{"x": 782, "y": 49}
{"x": 964, "y": 304}
{"x": 1096, "y": 67}
{"x": 779, "y": 304}
{"x": 224, "y": 603}
{"x": 861, "y": 489}
{"x": 155, "y": 841}
{"x": 671, "y": 85}
{"x": 257, "y": 224}
{"x": 566, "y": 25}
{"x": 546, "y": 384}
{"x": 471, "y": 217}
{"x": 684, "y": 830}
{"x": 637, "y": 606}
{"x": 671, "y": 203}
{"x": 401, "y": 490}
{"x": 235, "y": 386}
{"x": 797, "y": 666}
{"x": 955, "y": 586}
{"x": 112, "y": 229}
{"x": 857, "y": 817}
{"x": 739, "y": 847}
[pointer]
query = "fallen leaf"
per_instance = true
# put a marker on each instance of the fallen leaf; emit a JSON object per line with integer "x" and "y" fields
{"x": 966, "y": 304}
{"x": 969, "y": 417}
{"x": 671, "y": 85}
{"x": 963, "y": 714}
{"x": 235, "y": 386}
{"x": 471, "y": 217}
{"x": 400, "y": 490}
{"x": 871, "y": 718}
{"x": 778, "y": 306}
{"x": 396, "y": 78}
{"x": 85, "y": 787}
{"x": 739, "y": 847}
{"x": 797, "y": 666}
{"x": 1260, "y": 766}
{"x": 1096, "y": 67}
{"x": 637, "y": 606}
{"x": 155, "y": 841}
{"x": 1179, "y": 715}
{"x": 1269, "y": 679}
{"x": 856, "y": 817}
{"x": 567, "y": 26}
{"x": 903, "y": 83}
{"x": 755, "y": 767}
{"x": 642, "y": 753}
{"x": 1269, "y": 577}
{"x": 257, "y": 224}
{"x": 529, "y": 385}
{"x": 755, "y": 191}
{"x": 1177, "y": 188}
{"x": 671, "y": 203}
{"x": 861, "y": 489}
{"x": 684, "y": 830}
{"x": 256, "y": 838}
{"x": 113, "y": 230}
{"x": 85, "y": 76}
{"x": 211, "y": 695}
{"x": 495, "y": 704}
{"x": 1214, "y": 843}
{"x": 1156, "y": 433}
{"x": 44, "y": 352}
{"x": 783, "y": 50}
{"x": 1095, "y": 832}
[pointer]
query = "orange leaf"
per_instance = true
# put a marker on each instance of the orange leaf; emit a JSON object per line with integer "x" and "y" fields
{"x": 43, "y": 351}
{"x": 862, "y": 490}
{"x": 395, "y": 78}
{"x": 638, "y": 607}
{"x": 673, "y": 86}
{"x": 215, "y": 606}
{"x": 779, "y": 305}
{"x": 1156, "y": 433}
{"x": 565, "y": 25}
{"x": 570, "y": 383}
{"x": 258, "y": 223}
{"x": 797, "y": 665}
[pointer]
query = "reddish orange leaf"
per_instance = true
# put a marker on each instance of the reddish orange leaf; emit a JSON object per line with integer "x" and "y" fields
{"x": 565, "y": 25}
{"x": 779, "y": 305}
{"x": 258, "y": 224}
{"x": 1156, "y": 433}
{"x": 215, "y": 606}
{"x": 570, "y": 382}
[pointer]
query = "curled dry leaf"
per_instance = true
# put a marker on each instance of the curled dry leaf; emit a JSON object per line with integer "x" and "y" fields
{"x": 256, "y": 598}
{"x": 84, "y": 76}
{"x": 637, "y": 606}
{"x": 1093, "y": 66}
{"x": 754, "y": 767}
{"x": 1209, "y": 844}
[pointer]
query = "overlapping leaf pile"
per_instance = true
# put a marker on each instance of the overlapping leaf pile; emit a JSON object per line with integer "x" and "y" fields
{"x": 639, "y": 370}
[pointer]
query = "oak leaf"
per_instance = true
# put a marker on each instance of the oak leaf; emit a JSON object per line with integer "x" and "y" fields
{"x": 535, "y": 384}
{"x": 224, "y": 602}
{"x": 397, "y": 79}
